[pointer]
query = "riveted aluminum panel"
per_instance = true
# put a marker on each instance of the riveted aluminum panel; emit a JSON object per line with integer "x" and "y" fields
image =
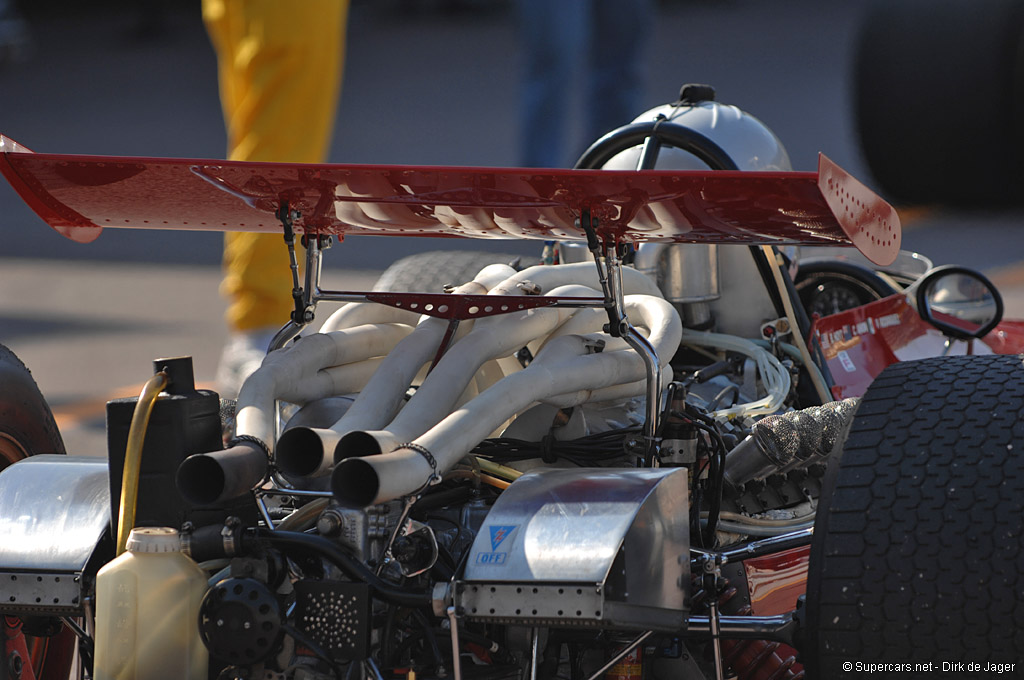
{"x": 591, "y": 546}
{"x": 55, "y": 510}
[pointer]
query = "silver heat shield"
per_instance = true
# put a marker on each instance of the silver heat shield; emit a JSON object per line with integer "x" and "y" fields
{"x": 55, "y": 512}
{"x": 584, "y": 547}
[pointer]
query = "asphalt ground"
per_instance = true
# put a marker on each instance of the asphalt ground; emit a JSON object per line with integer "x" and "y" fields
{"x": 422, "y": 86}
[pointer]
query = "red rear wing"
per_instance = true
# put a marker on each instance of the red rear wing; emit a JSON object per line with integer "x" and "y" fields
{"x": 80, "y": 195}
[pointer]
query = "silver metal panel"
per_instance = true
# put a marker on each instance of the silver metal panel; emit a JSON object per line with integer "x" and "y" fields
{"x": 567, "y": 525}
{"x": 564, "y": 604}
{"x": 611, "y": 544}
{"x": 46, "y": 593}
{"x": 654, "y": 564}
{"x": 53, "y": 511}
{"x": 689, "y": 273}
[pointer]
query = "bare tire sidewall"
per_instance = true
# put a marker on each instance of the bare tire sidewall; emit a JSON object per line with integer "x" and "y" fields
{"x": 27, "y": 426}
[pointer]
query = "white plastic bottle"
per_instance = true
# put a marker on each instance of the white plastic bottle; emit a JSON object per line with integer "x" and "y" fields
{"x": 147, "y": 611}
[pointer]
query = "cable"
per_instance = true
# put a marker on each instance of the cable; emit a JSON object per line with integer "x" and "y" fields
{"x": 583, "y": 452}
{"x": 754, "y": 530}
{"x": 767, "y": 522}
{"x": 428, "y": 633}
{"x": 507, "y": 473}
{"x": 729, "y": 389}
{"x": 717, "y": 477}
{"x": 774, "y": 376}
{"x": 798, "y": 337}
{"x": 715, "y": 464}
{"x": 793, "y": 352}
{"x": 353, "y": 568}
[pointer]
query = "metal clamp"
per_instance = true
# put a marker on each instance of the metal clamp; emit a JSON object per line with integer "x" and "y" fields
{"x": 435, "y": 476}
{"x": 248, "y": 438}
{"x": 229, "y": 534}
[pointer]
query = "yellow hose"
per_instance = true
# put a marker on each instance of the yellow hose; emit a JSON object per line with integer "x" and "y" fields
{"x": 500, "y": 471}
{"x": 472, "y": 474}
{"x": 133, "y": 457}
{"x": 495, "y": 482}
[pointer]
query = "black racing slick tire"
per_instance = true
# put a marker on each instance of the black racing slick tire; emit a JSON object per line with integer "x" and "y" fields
{"x": 918, "y": 550}
{"x": 430, "y": 272}
{"x": 27, "y": 426}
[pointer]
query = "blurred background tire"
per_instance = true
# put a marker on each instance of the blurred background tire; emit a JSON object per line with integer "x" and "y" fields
{"x": 431, "y": 271}
{"x": 939, "y": 100}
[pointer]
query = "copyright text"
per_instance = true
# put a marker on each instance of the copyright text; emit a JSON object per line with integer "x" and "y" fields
{"x": 988, "y": 667}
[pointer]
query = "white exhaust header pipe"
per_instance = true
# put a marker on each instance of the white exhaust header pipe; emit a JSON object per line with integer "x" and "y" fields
{"x": 566, "y": 369}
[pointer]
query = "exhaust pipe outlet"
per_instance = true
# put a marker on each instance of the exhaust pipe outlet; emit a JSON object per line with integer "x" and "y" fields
{"x": 212, "y": 478}
{"x": 356, "y": 483}
{"x": 306, "y": 451}
{"x": 780, "y": 443}
{"x": 363, "y": 443}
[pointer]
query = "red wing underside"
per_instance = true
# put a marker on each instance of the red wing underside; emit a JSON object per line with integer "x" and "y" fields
{"x": 80, "y": 195}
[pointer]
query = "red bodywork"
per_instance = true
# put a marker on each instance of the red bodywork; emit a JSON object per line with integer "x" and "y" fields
{"x": 858, "y": 343}
{"x": 776, "y": 581}
{"x": 80, "y": 195}
{"x": 38, "y": 658}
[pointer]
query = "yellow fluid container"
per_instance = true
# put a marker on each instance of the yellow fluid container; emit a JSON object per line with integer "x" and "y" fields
{"x": 147, "y": 611}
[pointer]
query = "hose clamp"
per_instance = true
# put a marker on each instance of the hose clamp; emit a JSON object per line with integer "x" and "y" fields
{"x": 185, "y": 535}
{"x": 435, "y": 476}
{"x": 228, "y": 535}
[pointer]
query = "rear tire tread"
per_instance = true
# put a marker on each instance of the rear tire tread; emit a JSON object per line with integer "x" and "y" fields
{"x": 917, "y": 552}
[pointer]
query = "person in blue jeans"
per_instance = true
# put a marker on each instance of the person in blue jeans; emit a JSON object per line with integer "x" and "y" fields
{"x": 608, "y": 38}
{"x": 15, "y": 41}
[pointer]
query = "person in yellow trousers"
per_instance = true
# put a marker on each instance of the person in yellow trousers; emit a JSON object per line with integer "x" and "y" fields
{"x": 280, "y": 66}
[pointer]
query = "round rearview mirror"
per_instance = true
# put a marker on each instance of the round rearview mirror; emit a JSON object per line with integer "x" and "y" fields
{"x": 959, "y": 301}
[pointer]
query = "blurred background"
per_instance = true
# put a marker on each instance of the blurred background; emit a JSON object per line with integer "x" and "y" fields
{"x": 426, "y": 82}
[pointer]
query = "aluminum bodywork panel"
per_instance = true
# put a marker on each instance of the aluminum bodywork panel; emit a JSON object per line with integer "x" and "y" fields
{"x": 585, "y": 546}
{"x": 56, "y": 509}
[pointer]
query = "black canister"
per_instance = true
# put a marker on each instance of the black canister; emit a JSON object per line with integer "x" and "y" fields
{"x": 184, "y": 421}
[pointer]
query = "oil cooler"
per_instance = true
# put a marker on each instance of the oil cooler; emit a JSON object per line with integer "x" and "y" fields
{"x": 583, "y": 547}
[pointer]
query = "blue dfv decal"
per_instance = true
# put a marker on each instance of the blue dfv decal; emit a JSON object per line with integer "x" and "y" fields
{"x": 498, "y": 535}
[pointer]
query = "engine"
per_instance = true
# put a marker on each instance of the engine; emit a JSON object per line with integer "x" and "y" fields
{"x": 499, "y": 515}
{"x": 556, "y": 471}
{"x": 499, "y": 508}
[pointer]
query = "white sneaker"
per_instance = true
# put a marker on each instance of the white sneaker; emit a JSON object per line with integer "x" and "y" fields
{"x": 242, "y": 355}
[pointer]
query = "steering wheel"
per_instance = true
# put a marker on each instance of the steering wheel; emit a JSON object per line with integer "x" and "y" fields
{"x": 653, "y": 135}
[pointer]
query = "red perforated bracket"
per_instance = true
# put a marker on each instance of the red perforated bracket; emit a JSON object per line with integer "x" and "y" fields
{"x": 464, "y": 307}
